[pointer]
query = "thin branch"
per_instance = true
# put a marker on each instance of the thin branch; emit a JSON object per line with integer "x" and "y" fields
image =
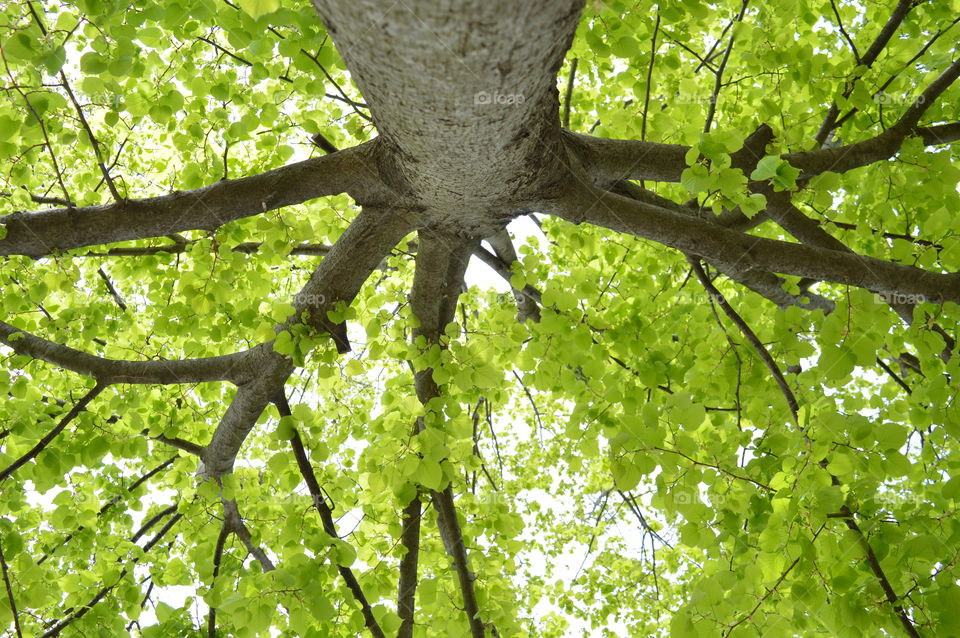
{"x": 326, "y": 517}
{"x": 78, "y": 407}
{"x": 718, "y": 75}
{"x": 843, "y": 32}
{"x": 111, "y": 289}
{"x": 342, "y": 93}
{"x": 569, "y": 94}
{"x": 877, "y": 570}
{"x": 235, "y": 522}
{"x": 10, "y": 597}
{"x": 93, "y": 140}
{"x": 181, "y": 444}
{"x": 893, "y": 375}
{"x": 718, "y": 468}
{"x": 73, "y": 614}
{"x": 748, "y": 333}
{"x": 893, "y": 23}
{"x": 217, "y": 557}
{"x": 646, "y": 95}
{"x": 108, "y": 505}
{"x": 452, "y": 535}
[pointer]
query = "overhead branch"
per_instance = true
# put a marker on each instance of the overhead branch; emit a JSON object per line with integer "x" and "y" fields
{"x": 527, "y": 305}
{"x": 438, "y": 280}
{"x": 181, "y": 444}
{"x": 338, "y": 278}
{"x": 217, "y": 558}
{"x": 718, "y": 74}
{"x": 233, "y": 520}
{"x": 885, "y": 145}
{"x": 249, "y": 248}
{"x": 109, "y": 505}
{"x": 762, "y": 282}
{"x": 606, "y": 161}
{"x": 326, "y": 518}
{"x": 231, "y": 367}
{"x": 807, "y": 231}
{"x": 11, "y": 600}
{"x": 407, "y": 584}
{"x": 877, "y": 570}
{"x": 48, "y": 438}
{"x": 45, "y": 232}
{"x": 74, "y": 614}
{"x": 452, "y": 535}
{"x": 862, "y": 63}
{"x": 713, "y": 242}
{"x": 748, "y": 334}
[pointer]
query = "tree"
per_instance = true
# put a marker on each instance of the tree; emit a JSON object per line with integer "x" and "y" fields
{"x": 249, "y": 391}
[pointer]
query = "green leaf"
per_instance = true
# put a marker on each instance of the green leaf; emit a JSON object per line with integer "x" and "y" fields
{"x": 766, "y": 168}
{"x": 259, "y": 8}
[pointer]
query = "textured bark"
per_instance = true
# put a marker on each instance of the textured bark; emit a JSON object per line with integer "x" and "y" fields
{"x": 233, "y": 367}
{"x": 441, "y": 263}
{"x": 45, "y": 232}
{"x": 338, "y": 278}
{"x": 472, "y": 128}
{"x": 716, "y": 243}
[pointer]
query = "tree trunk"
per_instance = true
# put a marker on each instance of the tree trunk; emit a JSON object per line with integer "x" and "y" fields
{"x": 464, "y": 97}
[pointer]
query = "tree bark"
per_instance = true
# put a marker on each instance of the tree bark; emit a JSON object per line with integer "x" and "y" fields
{"x": 473, "y": 127}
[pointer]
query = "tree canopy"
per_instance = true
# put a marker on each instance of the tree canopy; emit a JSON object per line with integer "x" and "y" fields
{"x": 250, "y": 390}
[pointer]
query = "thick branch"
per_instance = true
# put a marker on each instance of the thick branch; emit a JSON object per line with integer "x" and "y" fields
{"x": 232, "y": 367}
{"x": 713, "y": 242}
{"x": 44, "y": 232}
{"x": 502, "y": 245}
{"x": 338, "y": 278}
{"x": 441, "y": 263}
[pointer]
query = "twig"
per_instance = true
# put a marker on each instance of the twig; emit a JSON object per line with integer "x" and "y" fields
{"x": 108, "y": 505}
{"x": 653, "y": 57}
{"x": 217, "y": 557}
{"x": 52, "y": 434}
{"x": 748, "y": 333}
{"x": 569, "y": 94}
{"x": 13, "y": 603}
{"x": 843, "y": 32}
{"x": 110, "y": 287}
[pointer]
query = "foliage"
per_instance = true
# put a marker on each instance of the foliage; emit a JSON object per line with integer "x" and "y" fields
{"x": 634, "y": 428}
